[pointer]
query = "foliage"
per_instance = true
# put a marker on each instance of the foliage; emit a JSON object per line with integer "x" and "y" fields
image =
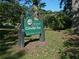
{"x": 67, "y": 6}
{"x": 71, "y": 46}
{"x": 10, "y": 12}
{"x": 72, "y": 8}
{"x": 57, "y": 20}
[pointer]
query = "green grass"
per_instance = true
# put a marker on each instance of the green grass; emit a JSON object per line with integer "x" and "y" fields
{"x": 55, "y": 42}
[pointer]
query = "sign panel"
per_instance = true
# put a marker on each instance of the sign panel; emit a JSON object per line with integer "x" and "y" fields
{"x": 32, "y": 26}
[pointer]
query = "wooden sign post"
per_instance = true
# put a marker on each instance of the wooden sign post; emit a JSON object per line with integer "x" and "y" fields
{"x": 21, "y": 33}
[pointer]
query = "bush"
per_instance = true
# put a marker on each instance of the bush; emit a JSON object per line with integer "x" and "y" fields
{"x": 58, "y": 21}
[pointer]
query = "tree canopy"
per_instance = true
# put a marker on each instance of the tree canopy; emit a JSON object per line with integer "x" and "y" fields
{"x": 10, "y": 11}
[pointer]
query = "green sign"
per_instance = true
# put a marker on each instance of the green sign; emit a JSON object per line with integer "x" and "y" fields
{"x": 32, "y": 26}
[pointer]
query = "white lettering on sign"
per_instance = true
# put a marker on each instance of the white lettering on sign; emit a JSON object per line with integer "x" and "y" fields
{"x": 29, "y": 28}
{"x": 37, "y": 24}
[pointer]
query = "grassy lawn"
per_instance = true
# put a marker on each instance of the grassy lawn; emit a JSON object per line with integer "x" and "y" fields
{"x": 35, "y": 50}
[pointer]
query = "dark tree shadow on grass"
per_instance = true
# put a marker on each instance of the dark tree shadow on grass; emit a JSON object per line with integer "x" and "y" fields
{"x": 16, "y": 55}
{"x": 31, "y": 40}
{"x": 7, "y": 43}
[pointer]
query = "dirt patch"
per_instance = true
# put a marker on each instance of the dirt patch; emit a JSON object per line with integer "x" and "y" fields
{"x": 33, "y": 45}
{"x": 30, "y": 48}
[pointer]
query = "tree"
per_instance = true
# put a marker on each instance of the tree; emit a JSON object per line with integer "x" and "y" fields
{"x": 72, "y": 7}
{"x": 36, "y": 8}
{"x": 10, "y": 12}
